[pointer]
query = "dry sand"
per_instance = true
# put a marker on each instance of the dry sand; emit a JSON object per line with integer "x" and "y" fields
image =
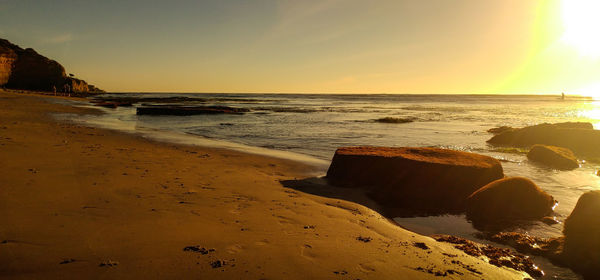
{"x": 86, "y": 203}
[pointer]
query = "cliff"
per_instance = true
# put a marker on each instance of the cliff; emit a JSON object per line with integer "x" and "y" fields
{"x": 26, "y": 69}
{"x": 7, "y": 59}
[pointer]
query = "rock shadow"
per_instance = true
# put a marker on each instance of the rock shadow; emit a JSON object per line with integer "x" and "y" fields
{"x": 319, "y": 186}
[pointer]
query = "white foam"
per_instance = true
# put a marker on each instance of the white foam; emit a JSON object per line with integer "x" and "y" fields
{"x": 103, "y": 121}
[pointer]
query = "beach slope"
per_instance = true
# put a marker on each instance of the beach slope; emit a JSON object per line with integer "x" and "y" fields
{"x": 85, "y": 203}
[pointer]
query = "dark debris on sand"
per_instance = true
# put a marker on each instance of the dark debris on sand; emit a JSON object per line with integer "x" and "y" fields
{"x": 222, "y": 263}
{"x": 108, "y": 263}
{"x": 198, "y": 249}
{"x": 66, "y": 261}
{"x": 497, "y": 256}
{"x": 218, "y": 263}
{"x": 421, "y": 245}
{"x": 547, "y": 247}
{"x": 438, "y": 272}
{"x": 364, "y": 239}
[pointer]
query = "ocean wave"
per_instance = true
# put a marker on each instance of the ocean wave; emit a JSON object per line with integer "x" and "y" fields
{"x": 285, "y": 109}
{"x": 436, "y": 109}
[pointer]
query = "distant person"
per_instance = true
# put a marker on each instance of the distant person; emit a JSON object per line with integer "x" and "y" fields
{"x": 54, "y": 89}
{"x": 65, "y": 89}
{"x": 563, "y": 96}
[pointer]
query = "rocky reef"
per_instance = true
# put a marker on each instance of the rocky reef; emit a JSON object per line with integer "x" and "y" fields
{"x": 578, "y": 248}
{"x": 497, "y": 256}
{"x": 580, "y": 137}
{"x": 176, "y": 110}
{"x": 27, "y": 70}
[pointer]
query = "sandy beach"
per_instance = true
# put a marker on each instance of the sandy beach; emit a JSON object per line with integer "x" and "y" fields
{"x": 86, "y": 203}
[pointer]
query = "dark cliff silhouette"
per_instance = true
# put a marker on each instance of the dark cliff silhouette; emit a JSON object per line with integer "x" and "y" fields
{"x": 26, "y": 69}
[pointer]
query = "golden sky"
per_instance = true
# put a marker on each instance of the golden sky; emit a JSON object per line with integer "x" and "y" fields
{"x": 324, "y": 46}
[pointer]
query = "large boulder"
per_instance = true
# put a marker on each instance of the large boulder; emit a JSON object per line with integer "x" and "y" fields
{"x": 580, "y": 137}
{"x": 582, "y": 236}
{"x": 556, "y": 157}
{"x": 508, "y": 199}
{"x": 416, "y": 180}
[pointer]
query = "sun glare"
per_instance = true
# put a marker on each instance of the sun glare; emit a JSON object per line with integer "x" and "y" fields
{"x": 581, "y": 19}
{"x": 591, "y": 90}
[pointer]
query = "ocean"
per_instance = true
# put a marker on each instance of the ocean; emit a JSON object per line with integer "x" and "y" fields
{"x": 309, "y": 127}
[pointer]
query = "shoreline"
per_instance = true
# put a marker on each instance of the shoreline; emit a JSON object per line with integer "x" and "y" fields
{"x": 174, "y": 137}
{"x": 84, "y": 202}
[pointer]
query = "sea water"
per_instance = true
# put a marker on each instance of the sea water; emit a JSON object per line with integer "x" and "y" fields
{"x": 312, "y": 126}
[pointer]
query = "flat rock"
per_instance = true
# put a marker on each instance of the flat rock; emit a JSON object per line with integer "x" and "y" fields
{"x": 582, "y": 236}
{"x": 501, "y": 129}
{"x": 416, "y": 180}
{"x": 556, "y": 157}
{"x": 580, "y": 137}
{"x": 550, "y": 248}
{"x": 508, "y": 199}
{"x": 175, "y": 110}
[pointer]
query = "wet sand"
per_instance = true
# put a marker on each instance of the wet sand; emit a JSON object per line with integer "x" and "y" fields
{"x": 85, "y": 203}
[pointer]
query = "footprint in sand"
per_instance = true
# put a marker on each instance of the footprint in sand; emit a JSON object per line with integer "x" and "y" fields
{"x": 306, "y": 251}
{"x": 262, "y": 242}
{"x": 367, "y": 268}
{"x": 234, "y": 249}
{"x": 285, "y": 220}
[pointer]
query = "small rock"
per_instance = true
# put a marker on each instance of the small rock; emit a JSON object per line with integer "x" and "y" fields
{"x": 364, "y": 239}
{"x": 421, "y": 245}
{"x": 552, "y": 156}
{"x": 550, "y": 220}
{"x": 218, "y": 263}
{"x": 66, "y": 261}
{"x": 198, "y": 249}
{"x": 109, "y": 263}
{"x": 343, "y": 272}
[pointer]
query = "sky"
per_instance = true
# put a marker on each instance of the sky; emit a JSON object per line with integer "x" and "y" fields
{"x": 323, "y": 46}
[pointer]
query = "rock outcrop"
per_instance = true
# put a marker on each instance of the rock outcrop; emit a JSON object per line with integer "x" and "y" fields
{"x": 578, "y": 249}
{"x": 508, "y": 199}
{"x": 415, "y": 181}
{"x": 582, "y": 236}
{"x": 550, "y": 248}
{"x": 26, "y": 69}
{"x": 580, "y": 137}
{"x": 495, "y": 255}
{"x": 501, "y": 129}
{"x": 175, "y": 110}
{"x": 555, "y": 157}
{"x": 395, "y": 120}
{"x": 7, "y": 60}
